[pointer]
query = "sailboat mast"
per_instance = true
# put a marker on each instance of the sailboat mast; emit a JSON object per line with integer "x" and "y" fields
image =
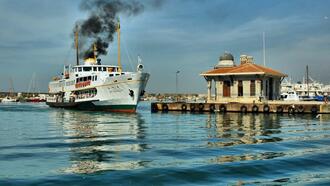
{"x": 76, "y": 44}
{"x": 264, "y": 47}
{"x": 11, "y": 87}
{"x": 307, "y": 80}
{"x": 118, "y": 37}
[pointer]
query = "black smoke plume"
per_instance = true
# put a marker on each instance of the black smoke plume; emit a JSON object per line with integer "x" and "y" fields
{"x": 100, "y": 27}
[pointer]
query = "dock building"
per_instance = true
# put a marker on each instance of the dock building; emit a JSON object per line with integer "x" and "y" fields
{"x": 246, "y": 82}
{"x": 246, "y": 87}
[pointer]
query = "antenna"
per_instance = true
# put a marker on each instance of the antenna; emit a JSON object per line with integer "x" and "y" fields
{"x": 264, "y": 47}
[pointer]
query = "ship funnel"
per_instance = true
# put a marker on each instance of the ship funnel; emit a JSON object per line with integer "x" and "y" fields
{"x": 246, "y": 59}
{"x": 140, "y": 68}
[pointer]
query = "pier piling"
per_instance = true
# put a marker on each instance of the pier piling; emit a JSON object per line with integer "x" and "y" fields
{"x": 260, "y": 107}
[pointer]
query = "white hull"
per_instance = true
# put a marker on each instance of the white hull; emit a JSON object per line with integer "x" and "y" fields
{"x": 8, "y": 100}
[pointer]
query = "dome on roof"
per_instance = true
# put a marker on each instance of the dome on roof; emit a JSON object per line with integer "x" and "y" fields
{"x": 226, "y": 60}
{"x": 227, "y": 56}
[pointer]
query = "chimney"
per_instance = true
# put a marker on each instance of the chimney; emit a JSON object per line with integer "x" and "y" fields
{"x": 246, "y": 59}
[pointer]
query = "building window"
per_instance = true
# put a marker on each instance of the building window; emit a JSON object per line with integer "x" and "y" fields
{"x": 240, "y": 88}
{"x": 253, "y": 88}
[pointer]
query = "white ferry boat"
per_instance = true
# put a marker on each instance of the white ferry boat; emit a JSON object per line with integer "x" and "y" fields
{"x": 93, "y": 86}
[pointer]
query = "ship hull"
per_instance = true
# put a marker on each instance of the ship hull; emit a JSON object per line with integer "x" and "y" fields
{"x": 90, "y": 106}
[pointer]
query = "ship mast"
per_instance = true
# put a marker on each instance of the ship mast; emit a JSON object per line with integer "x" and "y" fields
{"x": 94, "y": 51}
{"x": 76, "y": 43}
{"x": 118, "y": 37}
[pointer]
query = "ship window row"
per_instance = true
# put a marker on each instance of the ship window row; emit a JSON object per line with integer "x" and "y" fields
{"x": 86, "y": 93}
{"x": 87, "y": 78}
{"x": 116, "y": 74}
{"x": 95, "y": 69}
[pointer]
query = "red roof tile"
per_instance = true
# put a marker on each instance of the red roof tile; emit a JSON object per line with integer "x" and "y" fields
{"x": 247, "y": 68}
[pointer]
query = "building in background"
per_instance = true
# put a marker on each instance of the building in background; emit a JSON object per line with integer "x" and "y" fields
{"x": 246, "y": 82}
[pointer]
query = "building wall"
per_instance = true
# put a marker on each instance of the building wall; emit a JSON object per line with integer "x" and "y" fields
{"x": 234, "y": 89}
{"x": 258, "y": 88}
{"x": 246, "y": 88}
{"x": 217, "y": 88}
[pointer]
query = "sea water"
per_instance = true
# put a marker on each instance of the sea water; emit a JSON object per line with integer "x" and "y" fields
{"x": 46, "y": 146}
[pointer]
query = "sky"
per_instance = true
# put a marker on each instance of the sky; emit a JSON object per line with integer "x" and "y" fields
{"x": 170, "y": 36}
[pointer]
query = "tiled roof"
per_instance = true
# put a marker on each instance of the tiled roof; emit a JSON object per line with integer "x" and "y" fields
{"x": 244, "y": 69}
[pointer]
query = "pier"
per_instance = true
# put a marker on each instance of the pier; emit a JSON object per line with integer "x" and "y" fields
{"x": 279, "y": 107}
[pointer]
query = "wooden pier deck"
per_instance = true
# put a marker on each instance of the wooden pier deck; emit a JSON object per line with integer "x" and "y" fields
{"x": 296, "y": 107}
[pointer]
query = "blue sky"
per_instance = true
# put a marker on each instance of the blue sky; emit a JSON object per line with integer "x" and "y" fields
{"x": 185, "y": 35}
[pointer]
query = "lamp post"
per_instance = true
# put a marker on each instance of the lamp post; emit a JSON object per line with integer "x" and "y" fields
{"x": 176, "y": 81}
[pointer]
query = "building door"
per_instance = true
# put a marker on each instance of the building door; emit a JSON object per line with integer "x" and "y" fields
{"x": 271, "y": 89}
{"x": 226, "y": 89}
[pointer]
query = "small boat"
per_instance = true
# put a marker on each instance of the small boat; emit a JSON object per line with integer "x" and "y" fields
{"x": 35, "y": 99}
{"x": 307, "y": 98}
{"x": 8, "y": 99}
{"x": 10, "y": 96}
{"x": 290, "y": 96}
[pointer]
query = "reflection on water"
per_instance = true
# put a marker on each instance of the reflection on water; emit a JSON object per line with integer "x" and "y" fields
{"x": 246, "y": 157}
{"x": 230, "y": 129}
{"x": 105, "y": 141}
{"x": 38, "y": 143}
{"x": 98, "y": 140}
{"x": 248, "y": 130}
{"x": 234, "y": 129}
